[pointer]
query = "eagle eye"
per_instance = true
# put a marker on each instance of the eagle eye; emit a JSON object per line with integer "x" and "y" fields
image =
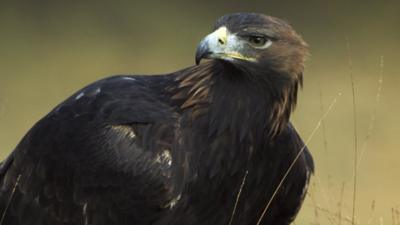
{"x": 259, "y": 41}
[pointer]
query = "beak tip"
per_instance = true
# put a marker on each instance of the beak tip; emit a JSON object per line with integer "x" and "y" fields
{"x": 199, "y": 56}
{"x": 201, "y": 51}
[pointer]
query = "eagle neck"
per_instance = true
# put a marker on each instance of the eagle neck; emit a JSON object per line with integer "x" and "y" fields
{"x": 250, "y": 102}
{"x": 233, "y": 100}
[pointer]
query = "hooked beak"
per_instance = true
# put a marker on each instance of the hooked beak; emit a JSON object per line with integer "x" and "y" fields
{"x": 221, "y": 45}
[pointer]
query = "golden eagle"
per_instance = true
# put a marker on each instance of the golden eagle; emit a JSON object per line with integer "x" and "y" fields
{"x": 172, "y": 149}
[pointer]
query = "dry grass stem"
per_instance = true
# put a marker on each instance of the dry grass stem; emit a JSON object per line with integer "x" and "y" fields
{"x": 355, "y": 130}
{"x": 10, "y": 199}
{"x": 371, "y": 219}
{"x": 374, "y": 112}
{"x": 340, "y": 204}
{"x": 314, "y": 204}
{"x": 321, "y": 103}
{"x": 238, "y": 197}
{"x": 342, "y": 218}
{"x": 296, "y": 158}
{"x": 326, "y": 197}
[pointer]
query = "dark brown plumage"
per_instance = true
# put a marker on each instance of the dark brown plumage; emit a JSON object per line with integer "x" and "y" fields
{"x": 174, "y": 148}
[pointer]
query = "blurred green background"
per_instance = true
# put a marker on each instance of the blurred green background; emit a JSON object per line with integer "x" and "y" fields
{"x": 49, "y": 49}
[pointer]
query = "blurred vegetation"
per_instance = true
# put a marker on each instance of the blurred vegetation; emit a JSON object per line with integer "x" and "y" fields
{"x": 49, "y": 49}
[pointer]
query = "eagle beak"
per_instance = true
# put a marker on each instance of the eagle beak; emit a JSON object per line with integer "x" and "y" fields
{"x": 202, "y": 52}
{"x": 221, "y": 44}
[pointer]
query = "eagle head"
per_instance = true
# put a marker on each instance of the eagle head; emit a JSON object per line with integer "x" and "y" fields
{"x": 255, "y": 42}
{"x": 263, "y": 50}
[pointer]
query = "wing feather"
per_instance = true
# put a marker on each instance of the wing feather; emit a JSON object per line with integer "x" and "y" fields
{"x": 99, "y": 161}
